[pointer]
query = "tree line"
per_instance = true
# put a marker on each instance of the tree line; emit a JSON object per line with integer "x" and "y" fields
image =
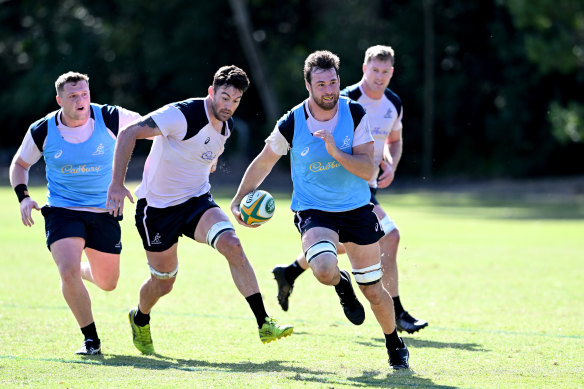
{"x": 489, "y": 88}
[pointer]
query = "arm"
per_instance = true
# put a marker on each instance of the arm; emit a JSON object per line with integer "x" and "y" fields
{"x": 117, "y": 192}
{"x": 19, "y": 176}
{"x": 392, "y": 152}
{"x": 360, "y": 163}
{"x": 255, "y": 174}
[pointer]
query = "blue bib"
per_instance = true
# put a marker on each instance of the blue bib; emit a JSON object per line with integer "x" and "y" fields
{"x": 78, "y": 174}
{"x": 320, "y": 182}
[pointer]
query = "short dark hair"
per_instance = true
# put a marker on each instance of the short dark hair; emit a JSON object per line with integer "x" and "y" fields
{"x": 231, "y": 75}
{"x": 322, "y": 59}
{"x": 381, "y": 53}
{"x": 73, "y": 77}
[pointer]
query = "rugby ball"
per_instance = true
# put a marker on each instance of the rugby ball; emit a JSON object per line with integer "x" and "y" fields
{"x": 257, "y": 207}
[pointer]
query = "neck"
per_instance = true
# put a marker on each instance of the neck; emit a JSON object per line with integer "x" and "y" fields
{"x": 320, "y": 114}
{"x": 216, "y": 123}
{"x": 375, "y": 95}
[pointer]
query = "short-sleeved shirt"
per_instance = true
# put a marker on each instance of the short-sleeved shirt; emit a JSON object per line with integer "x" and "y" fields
{"x": 35, "y": 140}
{"x": 180, "y": 159}
{"x": 385, "y": 115}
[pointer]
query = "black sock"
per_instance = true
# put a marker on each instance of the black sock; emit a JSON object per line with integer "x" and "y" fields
{"x": 90, "y": 332}
{"x": 344, "y": 284}
{"x": 292, "y": 272}
{"x": 257, "y": 306}
{"x": 397, "y": 306}
{"x": 141, "y": 319}
{"x": 393, "y": 341}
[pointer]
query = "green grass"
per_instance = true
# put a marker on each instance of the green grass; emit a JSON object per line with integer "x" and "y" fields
{"x": 500, "y": 280}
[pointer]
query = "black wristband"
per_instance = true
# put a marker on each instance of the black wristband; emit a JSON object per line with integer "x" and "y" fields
{"x": 21, "y": 192}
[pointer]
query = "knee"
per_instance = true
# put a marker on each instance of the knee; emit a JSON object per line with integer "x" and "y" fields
{"x": 108, "y": 285}
{"x": 70, "y": 272}
{"x": 373, "y": 293}
{"x": 230, "y": 247}
{"x": 325, "y": 269}
{"x": 164, "y": 287}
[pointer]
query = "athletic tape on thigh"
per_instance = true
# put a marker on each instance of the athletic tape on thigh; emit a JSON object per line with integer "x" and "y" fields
{"x": 320, "y": 247}
{"x": 163, "y": 276}
{"x": 368, "y": 275}
{"x": 216, "y": 230}
{"x": 387, "y": 225}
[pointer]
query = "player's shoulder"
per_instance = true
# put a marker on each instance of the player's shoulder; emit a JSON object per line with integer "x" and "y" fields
{"x": 393, "y": 98}
{"x": 193, "y": 110}
{"x": 353, "y": 92}
{"x": 38, "y": 129}
{"x": 286, "y": 123}
{"x": 357, "y": 111}
{"x": 110, "y": 115}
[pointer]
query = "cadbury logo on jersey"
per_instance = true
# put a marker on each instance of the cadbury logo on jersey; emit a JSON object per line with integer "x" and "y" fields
{"x": 70, "y": 169}
{"x": 317, "y": 167}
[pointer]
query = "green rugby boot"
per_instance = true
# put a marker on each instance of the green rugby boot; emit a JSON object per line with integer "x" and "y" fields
{"x": 141, "y": 335}
{"x": 271, "y": 330}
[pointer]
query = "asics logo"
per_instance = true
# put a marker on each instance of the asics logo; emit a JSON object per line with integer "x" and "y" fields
{"x": 58, "y": 153}
{"x": 207, "y": 140}
{"x": 305, "y": 151}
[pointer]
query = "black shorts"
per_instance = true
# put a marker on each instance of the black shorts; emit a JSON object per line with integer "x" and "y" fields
{"x": 101, "y": 231}
{"x": 360, "y": 226}
{"x": 160, "y": 228}
{"x": 373, "y": 193}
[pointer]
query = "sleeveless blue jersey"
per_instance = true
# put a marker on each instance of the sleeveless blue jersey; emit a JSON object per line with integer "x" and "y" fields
{"x": 320, "y": 182}
{"x": 79, "y": 174}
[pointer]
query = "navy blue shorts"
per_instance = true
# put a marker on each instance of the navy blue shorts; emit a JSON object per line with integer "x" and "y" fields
{"x": 360, "y": 226}
{"x": 160, "y": 228}
{"x": 373, "y": 193}
{"x": 101, "y": 231}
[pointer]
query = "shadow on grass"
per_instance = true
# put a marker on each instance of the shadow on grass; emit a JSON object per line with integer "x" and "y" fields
{"x": 417, "y": 342}
{"x": 369, "y": 378}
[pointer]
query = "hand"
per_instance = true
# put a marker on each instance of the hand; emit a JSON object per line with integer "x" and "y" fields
{"x": 328, "y": 139}
{"x": 116, "y": 194}
{"x": 26, "y": 207}
{"x": 237, "y": 213}
{"x": 386, "y": 176}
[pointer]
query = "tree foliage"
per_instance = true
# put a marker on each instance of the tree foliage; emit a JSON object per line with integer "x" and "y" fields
{"x": 508, "y": 74}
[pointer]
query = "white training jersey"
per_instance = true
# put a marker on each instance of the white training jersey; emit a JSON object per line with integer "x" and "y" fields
{"x": 280, "y": 145}
{"x": 180, "y": 160}
{"x": 385, "y": 116}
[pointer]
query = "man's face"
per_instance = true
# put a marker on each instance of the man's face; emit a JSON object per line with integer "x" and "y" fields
{"x": 324, "y": 88}
{"x": 377, "y": 74}
{"x": 74, "y": 99}
{"x": 224, "y": 101}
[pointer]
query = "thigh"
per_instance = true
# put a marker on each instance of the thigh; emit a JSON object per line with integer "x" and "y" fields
{"x": 164, "y": 261}
{"x": 209, "y": 218}
{"x": 362, "y": 256}
{"x": 67, "y": 251}
{"x": 103, "y": 265}
{"x": 103, "y": 233}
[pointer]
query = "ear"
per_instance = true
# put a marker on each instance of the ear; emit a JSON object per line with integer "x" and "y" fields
{"x": 307, "y": 84}
{"x": 211, "y": 90}
{"x": 364, "y": 67}
{"x": 59, "y": 101}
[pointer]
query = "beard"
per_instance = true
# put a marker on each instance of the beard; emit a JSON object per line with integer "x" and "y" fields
{"x": 222, "y": 115}
{"x": 327, "y": 105}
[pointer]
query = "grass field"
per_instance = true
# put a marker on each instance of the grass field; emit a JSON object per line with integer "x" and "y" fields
{"x": 500, "y": 280}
